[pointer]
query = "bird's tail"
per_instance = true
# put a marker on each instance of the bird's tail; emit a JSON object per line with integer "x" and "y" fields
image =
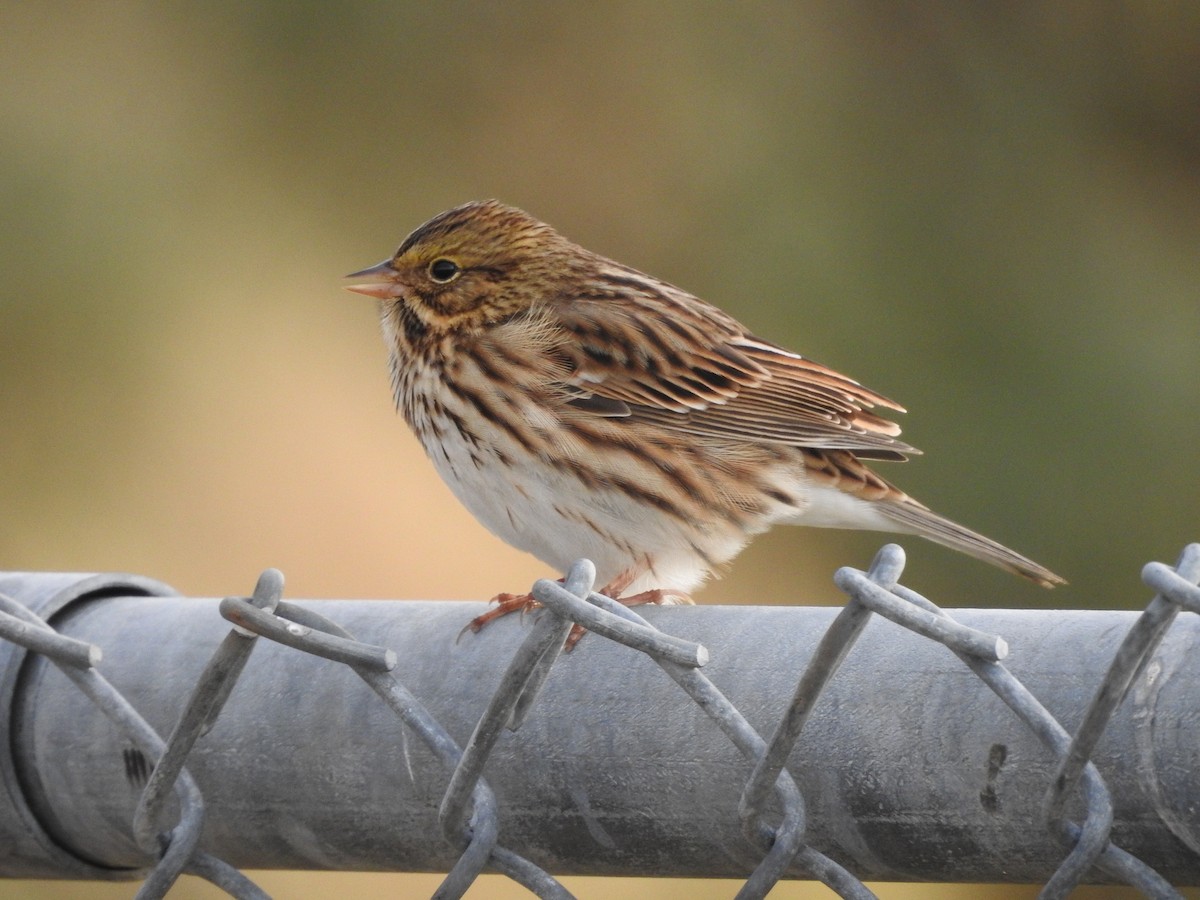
{"x": 912, "y": 517}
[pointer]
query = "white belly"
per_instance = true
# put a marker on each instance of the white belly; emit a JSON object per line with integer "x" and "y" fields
{"x": 551, "y": 515}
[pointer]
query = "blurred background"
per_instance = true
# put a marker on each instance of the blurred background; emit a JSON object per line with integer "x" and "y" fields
{"x": 989, "y": 212}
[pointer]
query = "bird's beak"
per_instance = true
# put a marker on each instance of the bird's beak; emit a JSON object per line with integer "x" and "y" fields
{"x": 383, "y": 283}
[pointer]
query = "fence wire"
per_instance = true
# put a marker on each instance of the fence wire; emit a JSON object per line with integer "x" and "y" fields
{"x": 169, "y": 817}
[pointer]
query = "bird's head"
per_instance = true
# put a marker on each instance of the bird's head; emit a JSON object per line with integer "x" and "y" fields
{"x": 469, "y": 267}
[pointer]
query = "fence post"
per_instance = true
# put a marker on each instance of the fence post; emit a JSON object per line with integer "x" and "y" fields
{"x": 912, "y": 764}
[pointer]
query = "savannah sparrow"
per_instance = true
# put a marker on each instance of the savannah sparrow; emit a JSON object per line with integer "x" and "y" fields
{"x": 580, "y": 408}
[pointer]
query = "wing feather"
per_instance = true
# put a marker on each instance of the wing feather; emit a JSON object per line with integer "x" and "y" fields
{"x": 679, "y": 363}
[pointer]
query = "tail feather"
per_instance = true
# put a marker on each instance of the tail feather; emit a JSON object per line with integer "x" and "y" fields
{"x": 914, "y": 518}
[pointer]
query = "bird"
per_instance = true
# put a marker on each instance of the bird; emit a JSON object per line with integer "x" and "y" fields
{"x": 578, "y": 407}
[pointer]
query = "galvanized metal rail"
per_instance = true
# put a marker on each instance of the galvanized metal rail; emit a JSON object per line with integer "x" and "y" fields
{"x": 813, "y": 743}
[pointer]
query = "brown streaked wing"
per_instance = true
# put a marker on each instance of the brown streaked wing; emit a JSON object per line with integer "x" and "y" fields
{"x": 682, "y": 364}
{"x": 656, "y": 353}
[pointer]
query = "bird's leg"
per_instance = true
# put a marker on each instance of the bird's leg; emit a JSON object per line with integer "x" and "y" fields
{"x": 505, "y": 604}
{"x": 662, "y": 596}
{"x": 616, "y": 587}
{"x": 510, "y": 603}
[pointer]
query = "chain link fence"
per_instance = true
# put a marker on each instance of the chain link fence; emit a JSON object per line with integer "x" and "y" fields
{"x": 891, "y": 760}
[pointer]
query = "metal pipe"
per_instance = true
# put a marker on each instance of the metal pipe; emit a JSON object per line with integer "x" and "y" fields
{"x": 910, "y": 767}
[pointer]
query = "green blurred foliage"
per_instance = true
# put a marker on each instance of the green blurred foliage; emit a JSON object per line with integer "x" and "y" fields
{"x": 990, "y": 212}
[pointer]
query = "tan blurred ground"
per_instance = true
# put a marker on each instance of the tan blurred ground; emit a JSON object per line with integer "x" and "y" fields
{"x": 988, "y": 212}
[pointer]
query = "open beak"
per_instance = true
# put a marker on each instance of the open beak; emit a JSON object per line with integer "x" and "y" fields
{"x": 383, "y": 281}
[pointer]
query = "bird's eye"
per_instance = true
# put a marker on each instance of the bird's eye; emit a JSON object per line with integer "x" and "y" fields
{"x": 443, "y": 270}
